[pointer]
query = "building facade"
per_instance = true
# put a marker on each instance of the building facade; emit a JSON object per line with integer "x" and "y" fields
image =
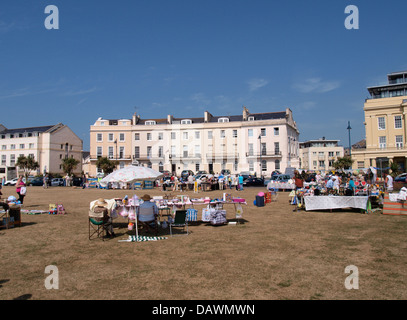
{"x": 385, "y": 125}
{"x": 47, "y": 144}
{"x": 259, "y": 143}
{"x": 319, "y": 155}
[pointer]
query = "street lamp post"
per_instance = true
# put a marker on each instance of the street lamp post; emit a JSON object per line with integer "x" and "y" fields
{"x": 261, "y": 169}
{"x": 350, "y": 147}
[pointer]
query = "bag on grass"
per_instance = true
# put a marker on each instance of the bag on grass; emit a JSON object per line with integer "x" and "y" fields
{"x": 23, "y": 191}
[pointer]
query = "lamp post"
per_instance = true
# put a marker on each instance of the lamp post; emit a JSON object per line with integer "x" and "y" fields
{"x": 261, "y": 169}
{"x": 350, "y": 147}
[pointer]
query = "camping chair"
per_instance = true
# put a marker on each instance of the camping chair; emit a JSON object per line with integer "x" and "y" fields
{"x": 149, "y": 226}
{"x": 99, "y": 223}
{"x": 180, "y": 220}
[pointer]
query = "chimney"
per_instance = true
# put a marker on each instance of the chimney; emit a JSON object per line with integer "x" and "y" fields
{"x": 169, "y": 119}
{"x": 245, "y": 113}
{"x": 134, "y": 118}
{"x": 207, "y": 116}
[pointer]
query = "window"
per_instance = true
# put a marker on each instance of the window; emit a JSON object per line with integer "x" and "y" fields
{"x": 222, "y": 134}
{"x": 121, "y": 153}
{"x": 250, "y": 149}
{"x": 185, "y": 135}
{"x": 263, "y": 165}
{"x": 173, "y": 150}
{"x": 382, "y": 142}
{"x": 3, "y": 159}
{"x": 276, "y": 131}
{"x": 361, "y": 164}
{"x": 31, "y": 146}
{"x": 263, "y": 132}
{"x": 209, "y": 134}
{"x": 197, "y": 151}
{"x": 160, "y": 167}
{"x": 185, "y": 151}
{"x": 137, "y": 136}
{"x": 173, "y": 135}
{"x": 399, "y": 142}
{"x": 197, "y": 134}
{"x": 121, "y": 137}
{"x": 330, "y": 154}
{"x": 234, "y": 133}
{"x": 397, "y": 122}
{"x": 250, "y": 132}
{"x": 160, "y": 151}
{"x": 150, "y": 123}
{"x": 197, "y": 166}
{"x": 99, "y": 152}
{"x": 22, "y": 146}
{"x": 12, "y": 160}
{"x": 160, "y": 136}
{"x": 121, "y": 165}
{"x": 99, "y": 137}
{"x": 277, "y": 164}
{"x": 149, "y": 136}
{"x": 102, "y": 123}
{"x": 382, "y": 123}
{"x": 13, "y": 147}
{"x": 322, "y": 163}
{"x": 111, "y": 137}
{"x": 111, "y": 156}
{"x": 251, "y": 165}
{"x": 250, "y": 119}
{"x": 186, "y": 121}
{"x": 149, "y": 151}
{"x": 338, "y": 153}
{"x": 136, "y": 152}
{"x": 314, "y": 163}
{"x": 277, "y": 147}
{"x": 4, "y": 147}
{"x": 236, "y": 165}
{"x": 223, "y": 120}
{"x": 263, "y": 149}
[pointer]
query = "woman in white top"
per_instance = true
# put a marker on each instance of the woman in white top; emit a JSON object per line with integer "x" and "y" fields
{"x": 389, "y": 183}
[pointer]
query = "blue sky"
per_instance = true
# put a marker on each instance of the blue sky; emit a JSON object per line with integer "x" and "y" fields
{"x": 111, "y": 58}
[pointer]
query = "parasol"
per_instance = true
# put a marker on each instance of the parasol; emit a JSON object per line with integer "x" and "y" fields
{"x": 131, "y": 174}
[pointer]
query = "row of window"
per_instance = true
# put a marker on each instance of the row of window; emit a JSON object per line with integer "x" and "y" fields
{"x": 197, "y": 148}
{"x": 398, "y": 122}
{"x": 13, "y": 159}
{"x": 19, "y": 135}
{"x": 21, "y": 146}
{"x": 330, "y": 153}
{"x": 398, "y": 142}
{"x": 185, "y": 135}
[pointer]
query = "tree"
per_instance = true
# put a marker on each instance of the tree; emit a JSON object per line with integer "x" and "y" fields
{"x": 395, "y": 169}
{"x": 27, "y": 164}
{"x": 106, "y": 164}
{"x": 69, "y": 165}
{"x": 343, "y": 163}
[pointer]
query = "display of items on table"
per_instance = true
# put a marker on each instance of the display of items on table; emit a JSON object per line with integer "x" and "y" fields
{"x": 11, "y": 212}
{"x": 394, "y": 203}
{"x": 281, "y": 185}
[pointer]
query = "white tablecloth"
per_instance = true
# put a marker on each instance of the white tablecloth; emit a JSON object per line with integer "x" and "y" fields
{"x": 281, "y": 185}
{"x": 334, "y": 202}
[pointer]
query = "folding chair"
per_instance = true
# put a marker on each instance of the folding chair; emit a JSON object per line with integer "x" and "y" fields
{"x": 180, "y": 220}
{"x": 98, "y": 223}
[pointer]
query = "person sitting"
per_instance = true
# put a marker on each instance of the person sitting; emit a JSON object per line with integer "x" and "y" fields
{"x": 147, "y": 212}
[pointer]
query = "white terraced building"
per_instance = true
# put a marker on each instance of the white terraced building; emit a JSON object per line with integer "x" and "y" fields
{"x": 256, "y": 142}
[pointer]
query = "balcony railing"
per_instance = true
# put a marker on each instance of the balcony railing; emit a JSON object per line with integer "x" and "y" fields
{"x": 95, "y": 157}
{"x": 264, "y": 154}
{"x": 222, "y": 155}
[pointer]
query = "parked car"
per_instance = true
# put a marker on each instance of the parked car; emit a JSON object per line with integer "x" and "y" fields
{"x": 166, "y": 173}
{"x": 56, "y": 182}
{"x": 36, "y": 182}
{"x": 253, "y": 182}
{"x": 278, "y": 178}
{"x": 77, "y": 181}
{"x": 225, "y": 172}
{"x": 11, "y": 182}
{"x": 185, "y": 174}
{"x": 401, "y": 178}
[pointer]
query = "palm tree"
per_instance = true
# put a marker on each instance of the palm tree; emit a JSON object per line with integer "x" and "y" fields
{"x": 27, "y": 164}
{"x": 343, "y": 163}
{"x": 69, "y": 165}
{"x": 395, "y": 169}
{"x": 106, "y": 165}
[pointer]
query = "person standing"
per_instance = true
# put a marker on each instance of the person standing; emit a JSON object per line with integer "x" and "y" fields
{"x": 20, "y": 187}
{"x": 45, "y": 181}
{"x": 389, "y": 183}
{"x": 240, "y": 177}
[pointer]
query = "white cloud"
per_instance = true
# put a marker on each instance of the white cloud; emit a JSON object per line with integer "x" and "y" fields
{"x": 256, "y": 83}
{"x": 316, "y": 85}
